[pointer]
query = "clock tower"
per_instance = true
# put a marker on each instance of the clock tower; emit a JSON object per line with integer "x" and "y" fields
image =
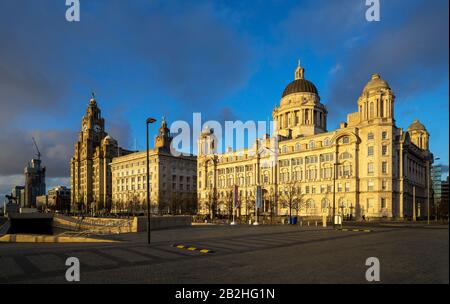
{"x": 164, "y": 139}
{"x": 90, "y": 171}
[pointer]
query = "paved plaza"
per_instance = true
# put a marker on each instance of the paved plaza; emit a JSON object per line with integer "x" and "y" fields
{"x": 241, "y": 254}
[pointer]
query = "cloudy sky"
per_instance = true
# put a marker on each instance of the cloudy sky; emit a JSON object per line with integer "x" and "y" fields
{"x": 225, "y": 59}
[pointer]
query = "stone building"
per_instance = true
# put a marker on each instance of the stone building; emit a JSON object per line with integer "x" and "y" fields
{"x": 34, "y": 183}
{"x": 172, "y": 188}
{"x": 89, "y": 167}
{"x": 370, "y": 166}
{"x": 59, "y": 199}
{"x": 173, "y": 179}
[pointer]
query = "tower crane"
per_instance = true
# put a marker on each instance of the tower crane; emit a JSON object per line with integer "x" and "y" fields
{"x": 37, "y": 149}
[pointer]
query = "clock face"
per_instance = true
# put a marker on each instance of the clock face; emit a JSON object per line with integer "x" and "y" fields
{"x": 97, "y": 128}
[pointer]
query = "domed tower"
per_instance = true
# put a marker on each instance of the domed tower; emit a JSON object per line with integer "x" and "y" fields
{"x": 419, "y": 135}
{"x": 376, "y": 101}
{"x": 300, "y": 112}
{"x": 206, "y": 142}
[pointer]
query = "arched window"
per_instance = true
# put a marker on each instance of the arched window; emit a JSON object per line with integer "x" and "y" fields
{"x": 297, "y": 147}
{"x": 312, "y": 144}
{"x": 326, "y": 142}
{"x": 325, "y": 204}
{"x": 284, "y": 149}
{"x": 310, "y": 204}
{"x": 345, "y": 155}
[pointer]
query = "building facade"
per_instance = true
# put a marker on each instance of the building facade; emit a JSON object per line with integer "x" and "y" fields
{"x": 436, "y": 184}
{"x": 59, "y": 199}
{"x": 34, "y": 183}
{"x": 368, "y": 166}
{"x": 173, "y": 180}
{"x": 89, "y": 167}
{"x": 16, "y": 192}
{"x": 443, "y": 208}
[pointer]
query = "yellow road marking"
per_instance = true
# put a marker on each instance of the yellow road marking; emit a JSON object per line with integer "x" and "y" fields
{"x": 191, "y": 248}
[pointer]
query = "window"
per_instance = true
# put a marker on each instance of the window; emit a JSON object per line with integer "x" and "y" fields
{"x": 326, "y": 142}
{"x": 384, "y": 150}
{"x": 345, "y": 155}
{"x": 384, "y": 168}
{"x": 370, "y": 151}
{"x": 284, "y": 149}
{"x": 370, "y": 203}
{"x": 370, "y": 169}
{"x": 370, "y": 185}
{"x": 345, "y": 140}
{"x": 384, "y": 185}
{"x": 297, "y": 147}
{"x": 347, "y": 187}
{"x": 383, "y": 203}
{"x": 370, "y": 136}
{"x": 384, "y": 135}
{"x": 339, "y": 187}
{"x": 312, "y": 144}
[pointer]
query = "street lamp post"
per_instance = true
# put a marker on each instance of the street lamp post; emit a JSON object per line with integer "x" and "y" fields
{"x": 148, "y": 122}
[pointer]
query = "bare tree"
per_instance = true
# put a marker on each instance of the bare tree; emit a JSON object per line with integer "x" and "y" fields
{"x": 291, "y": 196}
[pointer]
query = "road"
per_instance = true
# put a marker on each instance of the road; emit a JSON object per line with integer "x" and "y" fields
{"x": 242, "y": 254}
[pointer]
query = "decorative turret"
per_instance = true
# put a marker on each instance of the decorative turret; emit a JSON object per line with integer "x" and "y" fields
{"x": 419, "y": 135}
{"x": 164, "y": 139}
{"x": 376, "y": 100}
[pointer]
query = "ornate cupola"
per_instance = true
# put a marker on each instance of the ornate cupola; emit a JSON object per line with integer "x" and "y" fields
{"x": 419, "y": 135}
{"x": 300, "y": 112}
{"x": 164, "y": 139}
{"x": 376, "y": 101}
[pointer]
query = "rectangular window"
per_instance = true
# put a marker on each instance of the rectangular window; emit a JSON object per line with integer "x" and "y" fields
{"x": 384, "y": 185}
{"x": 370, "y": 204}
{"x": 370, "y": 186}
{"x": 370, "y": 151}
{"x": 347, "y": 187}
{"x": 384, "y": 135}
{"x": 383, "y": 203}
{"x": 339, "y": 187}
{"x": 384, "y": 168}
{"x": 370, "y": 169}
{"x": 384, "y": 150}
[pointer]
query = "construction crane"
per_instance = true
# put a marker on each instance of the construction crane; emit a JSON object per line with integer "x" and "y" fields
{"x": 37, "y": 149}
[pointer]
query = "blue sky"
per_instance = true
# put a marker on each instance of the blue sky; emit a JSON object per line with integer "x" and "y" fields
{"x": 225, "y": 59}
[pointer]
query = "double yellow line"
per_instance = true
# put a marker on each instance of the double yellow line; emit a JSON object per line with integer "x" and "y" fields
{"x": 192, "y": 248}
